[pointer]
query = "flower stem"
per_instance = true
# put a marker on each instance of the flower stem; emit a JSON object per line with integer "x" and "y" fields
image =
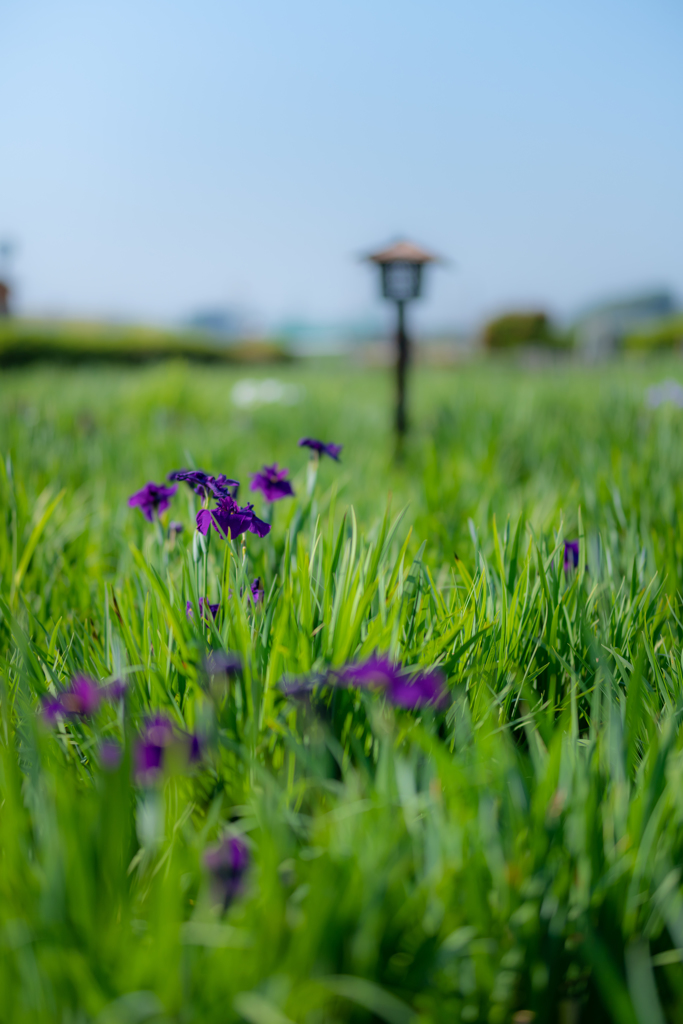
{"x": 312, "y": 473}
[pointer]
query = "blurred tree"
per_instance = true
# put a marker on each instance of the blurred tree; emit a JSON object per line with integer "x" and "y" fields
{"x": 514, "y": 329}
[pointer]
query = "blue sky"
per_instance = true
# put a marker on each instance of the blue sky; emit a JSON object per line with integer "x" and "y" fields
{"x": 164, "y": 156}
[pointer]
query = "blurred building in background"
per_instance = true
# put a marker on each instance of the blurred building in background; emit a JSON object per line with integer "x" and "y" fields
{"x": 333, "y": 337}
{"x": 601, "y": 329}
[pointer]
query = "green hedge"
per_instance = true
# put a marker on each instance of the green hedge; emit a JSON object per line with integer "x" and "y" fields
{"x": 24, "y": 341}
{"x": 664, "y": 336}
{"x": 513, "y": 330}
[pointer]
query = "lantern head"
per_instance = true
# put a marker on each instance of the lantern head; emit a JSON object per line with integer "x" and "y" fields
{"x": 401, "y": 265}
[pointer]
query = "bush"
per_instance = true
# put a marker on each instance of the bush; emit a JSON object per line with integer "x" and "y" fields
{"x": 515, "y": 329}
{"x": 663, "y": 336}
{"x": 24, "y": 341}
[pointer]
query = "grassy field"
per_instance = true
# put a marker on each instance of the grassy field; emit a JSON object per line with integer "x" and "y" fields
{"x": 511, "y": 852}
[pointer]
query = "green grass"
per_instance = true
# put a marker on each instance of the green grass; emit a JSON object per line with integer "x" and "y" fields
{"x": 518, "y": 850}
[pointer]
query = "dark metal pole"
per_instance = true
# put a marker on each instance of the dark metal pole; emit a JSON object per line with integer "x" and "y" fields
{"x": 403, "y": 353}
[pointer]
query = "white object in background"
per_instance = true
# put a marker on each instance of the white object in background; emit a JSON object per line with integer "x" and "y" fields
{"x": 249, "y": 392}
{"x": 668, "y": 392}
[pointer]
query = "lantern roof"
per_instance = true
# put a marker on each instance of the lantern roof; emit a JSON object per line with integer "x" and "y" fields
{"x": 402, "y": 252}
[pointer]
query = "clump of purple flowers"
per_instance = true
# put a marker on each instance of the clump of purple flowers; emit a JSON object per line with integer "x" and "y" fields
{"x": 227, "y": 864}
{"x": 333, "y": 450}
{"x": 405, "y": 691}
{"x": 81, "y": 699}
{"x": 152, "y": 500}
{"x": 160, "y": 740}
{"x": 272, "y": 482}
{"x": 203, "y": 483}
{"x": 230, "y": 519}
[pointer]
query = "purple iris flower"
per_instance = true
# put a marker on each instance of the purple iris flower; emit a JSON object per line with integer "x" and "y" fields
{"x": 195, "y": 751}
{"x": 175, "y": 528}
{"x": 115, "y": 690}
{"x": 321, "y": 448}
{"x": 82, "y": 698}
{"x": 272, "y": 482}
{"x": 297, "y": 686}
{"x": 197, "y": 479}
{"x": 51, "y": 708}
{"x": 203, "y": 483}
{"x": 203, "y": 605}
{"x": 149, "y": 752}
{"x": 227, "y": 863}
{"x": 110, "y": 755}
{"x": 571, "y": 555}
{"x": 230, "y": 518}
{"x": 424, "y": 687}
{"x": 220, "y": 663}
{"x": 255, "y": 588}
{"x": 152, "y": 500}
{"x": 158, "y": 738}
{"x": 376, "y": 671}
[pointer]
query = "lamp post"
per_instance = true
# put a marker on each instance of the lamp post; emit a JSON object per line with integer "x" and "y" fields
{"x": 401, "y": 266}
